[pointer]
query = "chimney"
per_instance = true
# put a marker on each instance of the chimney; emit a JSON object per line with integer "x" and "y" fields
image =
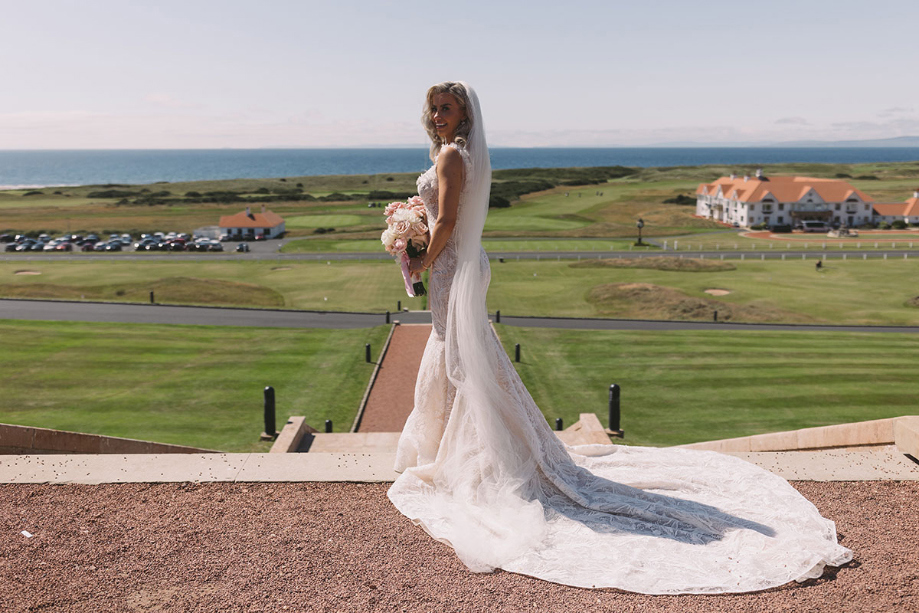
{"x": 759, "y": 173}
{"x": 733, "y": 176}
{"x": 916, "y": 193}
{"x": 263, "y": 209}
{"x": 249, "y": 213}
{"x": 746, "y": 178}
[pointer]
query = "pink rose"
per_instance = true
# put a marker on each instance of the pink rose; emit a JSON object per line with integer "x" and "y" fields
{"x": 415, "y": 201}
{"x": 399, "y": 245}
{"x": 401, "y": 228}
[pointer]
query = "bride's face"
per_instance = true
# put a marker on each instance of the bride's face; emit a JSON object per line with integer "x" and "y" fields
{"x": 447, "y": 115}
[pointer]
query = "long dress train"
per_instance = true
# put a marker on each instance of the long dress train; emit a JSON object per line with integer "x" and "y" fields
{"x": 504, "y": 492}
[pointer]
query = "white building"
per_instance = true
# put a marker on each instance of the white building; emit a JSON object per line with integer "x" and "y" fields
{"x": 249, "y": 225}
{"x": 907, "y": 211}
{"x": 782, "y": 201}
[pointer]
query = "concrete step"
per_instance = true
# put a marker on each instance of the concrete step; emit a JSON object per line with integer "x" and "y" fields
{"x": 829, "y": 465}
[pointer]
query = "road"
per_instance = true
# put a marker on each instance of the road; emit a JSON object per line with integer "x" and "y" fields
{"x": 48, "y": 310}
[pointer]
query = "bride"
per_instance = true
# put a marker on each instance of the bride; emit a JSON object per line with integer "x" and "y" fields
{"x": 483, "y": 472}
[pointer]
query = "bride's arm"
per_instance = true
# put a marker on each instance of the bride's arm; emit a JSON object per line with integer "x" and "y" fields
{"x": 450, "y": 183}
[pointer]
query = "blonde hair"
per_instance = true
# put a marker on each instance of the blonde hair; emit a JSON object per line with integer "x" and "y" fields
{"x": 458, "y": 91}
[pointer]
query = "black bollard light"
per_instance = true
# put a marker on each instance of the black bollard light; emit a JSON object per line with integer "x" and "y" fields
{"x": 558, "y": 424}
{"x": 328, "y": 425}
{"x": 398, "y": 305}
{"x": 517, "y": 352}
{"x": 367, "y": 352}
{"x": 497, "y": 317}
{"x": 151, "y": 298}
{"x": 614, "y": 408}
{"x": 271, "y": 428}
{"x": 387, "y": 316}
{"x": 716, "y": 316}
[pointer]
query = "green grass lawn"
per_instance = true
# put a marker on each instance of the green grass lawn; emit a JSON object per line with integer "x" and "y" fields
{"x": 327, "y": 245}
{"x": 187, "y": 385}
{"x": 343, "y": 286}
{"x": 684, "y": 387}
{"x": 844, "y": 292}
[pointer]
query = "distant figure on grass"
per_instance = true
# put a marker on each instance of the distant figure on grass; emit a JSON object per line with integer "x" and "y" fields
{"x": 819, "y": 266}
{"x": 483, "y": 472}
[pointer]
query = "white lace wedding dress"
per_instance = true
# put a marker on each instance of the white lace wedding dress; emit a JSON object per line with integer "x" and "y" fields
{"x": 497, "y": 485}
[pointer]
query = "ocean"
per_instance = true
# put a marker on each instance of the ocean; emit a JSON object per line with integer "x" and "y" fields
{"x": 91, "y": 167}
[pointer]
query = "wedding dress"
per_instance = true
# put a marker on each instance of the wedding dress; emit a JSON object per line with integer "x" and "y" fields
{"x": 483, "y": 472}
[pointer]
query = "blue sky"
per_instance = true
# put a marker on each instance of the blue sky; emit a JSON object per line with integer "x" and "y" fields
{"x": 273, "y": 73}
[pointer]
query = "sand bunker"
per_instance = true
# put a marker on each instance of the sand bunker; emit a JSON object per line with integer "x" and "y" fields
{"x": 717, "y": 292}
{"x": 27, "y": 272}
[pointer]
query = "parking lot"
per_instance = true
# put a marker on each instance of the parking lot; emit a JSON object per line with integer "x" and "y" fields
{"x": 118, "y": 244}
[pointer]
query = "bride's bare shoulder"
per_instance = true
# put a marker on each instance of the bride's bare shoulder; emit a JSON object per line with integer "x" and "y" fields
{"x": 449, "y": 162}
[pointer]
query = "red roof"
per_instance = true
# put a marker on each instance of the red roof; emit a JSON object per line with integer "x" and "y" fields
{"x": 252, "y": 220}
{"x": 783, "y": 189}
{"x": 910, "y": 208}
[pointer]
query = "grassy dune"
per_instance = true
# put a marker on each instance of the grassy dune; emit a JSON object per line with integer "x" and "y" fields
{"x": 608, "y": 209}
{"x": 187, "y": 385}
{"x": 683, "y": 387}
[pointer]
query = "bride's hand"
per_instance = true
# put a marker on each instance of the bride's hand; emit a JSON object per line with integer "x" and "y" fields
{"x": 416, "y": 265}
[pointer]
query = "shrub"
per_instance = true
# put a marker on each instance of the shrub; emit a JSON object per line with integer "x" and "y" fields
{"x": 843, "y": 175}
{"x": 337, "y": 197}
{"x": 759, "y": 226}
{"x": 867, "y": 178}
{"x": 112, "y": 193}
{"x": 283, "y": 180}
{"x": 898, "y": 224}
{"x": 262, "y": 190}
{"x": 192, "y": 194}
{"x": 389, "y": 179}
{"x": 34, "y": 192}
{"x": 782, "y": 228}
{"x": 323, "y": 230}
{"x": 498, "y": 202}
{"x": 883, "y": 226}
{"x": 681, "y": 199}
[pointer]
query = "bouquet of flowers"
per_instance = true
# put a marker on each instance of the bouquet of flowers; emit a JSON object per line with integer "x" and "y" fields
{"x": 406, "y": 236}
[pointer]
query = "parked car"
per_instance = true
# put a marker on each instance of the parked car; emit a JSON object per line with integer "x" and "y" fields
{"x": 260, "y": 237}
{"x": 39, "y": 246}
{"x": 114, "y": 246}
{"x": 64, "y": 246}
{"x": 6, "y": 238}
{"x": 243, "y": 247}
{"x": 86, "y": 246}
{"x": 100, "y": 246}
{"x": 11, "y": 247}
{"x": 214, "y": 246}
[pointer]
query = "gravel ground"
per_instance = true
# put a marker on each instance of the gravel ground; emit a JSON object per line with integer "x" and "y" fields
{"x": 393, "y": 395}
{"x": 343, "y": 547}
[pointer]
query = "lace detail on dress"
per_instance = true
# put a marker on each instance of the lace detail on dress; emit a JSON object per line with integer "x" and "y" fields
{"x": 657, "y": 521}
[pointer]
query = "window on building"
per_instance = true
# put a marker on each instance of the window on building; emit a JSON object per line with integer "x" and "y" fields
{"x": 781, "y": 219}
{"x": 837, "y": 206}
{"x": 781, "y": 206}
{"x": 752, "y": 207}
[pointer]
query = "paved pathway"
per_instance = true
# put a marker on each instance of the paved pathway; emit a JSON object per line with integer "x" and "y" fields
{"x": 53, "y": 310}
{"x": 393, "y": 393}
